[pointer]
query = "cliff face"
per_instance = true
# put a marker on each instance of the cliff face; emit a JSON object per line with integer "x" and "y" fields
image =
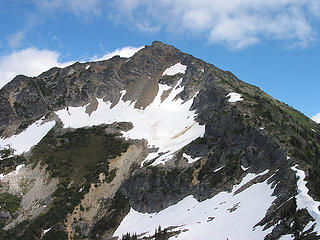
{"x": 121, "y": 144}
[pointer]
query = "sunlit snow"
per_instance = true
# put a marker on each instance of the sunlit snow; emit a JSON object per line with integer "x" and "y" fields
{"x": 304, "y": 200}
{"x": 28, "y": 138}
{"x": 189, "y": 158}
{"x": 167, "y": 125}
{"x": 244, "y": 169}
{"x": 46, "y": 230}
{"x": 218, "y": 169}
{"x": 225, "y": 216}
{"x": 234, "y": 97}
{"x": 175, "y": 69}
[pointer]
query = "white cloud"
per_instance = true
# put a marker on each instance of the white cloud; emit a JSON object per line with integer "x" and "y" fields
{"x": 235, "y": 23}
{"x": 125, "y": 52}
{"x": 30, "y": 62}
{"x": 15, "y": 39}
{"x": 78, "y": 7}
{"x": 316, "y": 118}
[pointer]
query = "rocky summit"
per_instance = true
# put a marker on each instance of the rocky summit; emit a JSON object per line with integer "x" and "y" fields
{"x": 160, "y": 145}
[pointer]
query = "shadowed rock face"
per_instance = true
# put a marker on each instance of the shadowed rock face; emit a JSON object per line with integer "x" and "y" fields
{"x": 248, "y": 136}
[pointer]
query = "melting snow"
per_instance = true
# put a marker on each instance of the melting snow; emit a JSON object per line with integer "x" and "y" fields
{"x": 304, "y": 200}
{"x": 175, "y": 69}
{"x": 221, "y": 217}
{"x": 189, "y": 158}
{"x": 167, "y": 125}
{"x": 28, "y": 138}
{"x": 234, "y": 97}
{"x": 87, "y": 67}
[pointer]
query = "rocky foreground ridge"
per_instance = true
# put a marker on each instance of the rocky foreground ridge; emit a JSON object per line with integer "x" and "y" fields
{"x": 109, "y": 149}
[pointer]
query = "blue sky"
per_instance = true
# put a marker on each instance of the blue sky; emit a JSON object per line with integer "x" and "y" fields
{"x": 273, "y": 44}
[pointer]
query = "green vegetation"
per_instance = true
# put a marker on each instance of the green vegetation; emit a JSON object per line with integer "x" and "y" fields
{"x": 128, "y": 236}
{"x": 117, "y": 210}
{"x": 78, "y": 155}
{"x": 10, "y": 163}
{"x": 4, "y": 153}
{"x": 76, "y": 158}
{"x": 9, "y": 202}
{"x": 296, "y": 133}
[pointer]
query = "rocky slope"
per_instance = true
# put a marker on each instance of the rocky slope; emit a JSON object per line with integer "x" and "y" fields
{"x": 114, "y": 149}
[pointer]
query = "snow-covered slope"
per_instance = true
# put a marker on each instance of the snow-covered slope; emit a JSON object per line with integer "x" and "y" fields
{"x": 30, "y": 137}
{"x": 228, "y": 215}
{"x": 166, "y": 124}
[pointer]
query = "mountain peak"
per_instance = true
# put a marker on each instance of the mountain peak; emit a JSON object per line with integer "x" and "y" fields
{"x": 118, "y": 147}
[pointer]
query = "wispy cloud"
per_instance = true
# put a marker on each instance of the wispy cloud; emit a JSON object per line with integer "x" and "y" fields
{"x": 78, "y": 7}
{"x": 316, "y": 118}
{"x": 30, "y": 62}
{"x": 15, "y": 39}
{"x": 235, "y": 23}
{"x": 125, "y": 52}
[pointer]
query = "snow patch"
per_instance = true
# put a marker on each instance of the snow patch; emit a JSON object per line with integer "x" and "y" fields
{"x": 304, "y": 200}
{"x": 216, "y": 170}
{"x": 46, "y": 230}
{"x": 244, "y": 169}
{"x": 13, "y": 172}
{"x": 262, "y": 128}
{"x": 18, "y": 168}
{"x": 234, "y": 97}
{"x": 87, "y": 67}
{"x": 28, "y": 138}
{"x": 167, "y": 125}
{"x": 286, "y": 237}
{"x": 175, "y": 69}
{"x": 220, "y": 217}
{"x": 189, "y": 158}
{"x": 308, "y": 226}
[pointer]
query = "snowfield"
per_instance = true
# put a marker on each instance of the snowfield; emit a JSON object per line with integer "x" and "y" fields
{"x": 168, "y": 125}
{"x": 225, "y": 216}
{"x": 28, "y": 138}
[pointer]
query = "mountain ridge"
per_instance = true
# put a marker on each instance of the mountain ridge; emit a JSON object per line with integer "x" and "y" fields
{"x": 233, "y": 129}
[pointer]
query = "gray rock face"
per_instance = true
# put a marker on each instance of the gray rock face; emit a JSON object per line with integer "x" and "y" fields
{"x": 5, "y": 216}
